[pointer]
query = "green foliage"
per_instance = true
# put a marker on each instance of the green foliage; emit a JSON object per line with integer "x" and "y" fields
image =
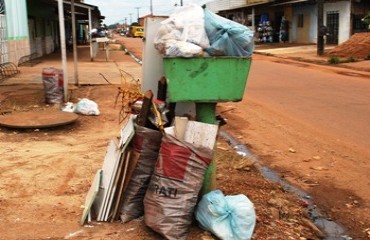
{"x": 366, "y": 19}
{"x": 337, "y": 60}
{"x": 351, "y": 59}
{"x": 334, "y": 60}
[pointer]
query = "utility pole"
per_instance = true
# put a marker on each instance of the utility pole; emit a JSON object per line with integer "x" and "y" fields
{"x": 320, "y": 27}
{"x": 181, "y": 3}
{"x": 130, "y": 17}
{"x": 137, "y": 8}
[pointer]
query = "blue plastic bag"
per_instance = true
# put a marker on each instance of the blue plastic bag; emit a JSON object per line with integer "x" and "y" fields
{"x": 227, "y": 217}
{"x": 227, "y": 38}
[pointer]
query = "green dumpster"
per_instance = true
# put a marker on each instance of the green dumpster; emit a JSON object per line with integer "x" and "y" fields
{"x": 206, "y": 81}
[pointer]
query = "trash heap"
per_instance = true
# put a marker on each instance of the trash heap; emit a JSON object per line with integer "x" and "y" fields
{"x": 157, "y": 167}
{"x": 195, "y": 32}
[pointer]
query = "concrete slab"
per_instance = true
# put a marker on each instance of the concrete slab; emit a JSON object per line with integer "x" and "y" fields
{"x": 37, "y": 119}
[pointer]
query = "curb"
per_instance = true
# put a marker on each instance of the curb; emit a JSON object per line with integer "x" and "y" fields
{"x": 138, "y": 60}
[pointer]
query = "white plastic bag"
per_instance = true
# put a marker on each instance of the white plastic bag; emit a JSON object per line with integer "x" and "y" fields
{"x": 186, "y": 25}
{"x": 87, "y": 107}
{"x": 229, "y": 218}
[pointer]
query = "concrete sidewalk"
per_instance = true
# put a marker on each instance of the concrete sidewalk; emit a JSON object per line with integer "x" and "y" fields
{"x": 88, "y": 71}
{"x": 307, "y": 53}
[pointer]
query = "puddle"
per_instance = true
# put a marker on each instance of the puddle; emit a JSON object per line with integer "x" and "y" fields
{"x": 332, "y": 230}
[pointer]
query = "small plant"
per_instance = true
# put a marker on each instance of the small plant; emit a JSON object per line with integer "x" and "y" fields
{"x": 334, "y": 60}
{"x": 367, "y": 58}
{"x": 351, "y": 59}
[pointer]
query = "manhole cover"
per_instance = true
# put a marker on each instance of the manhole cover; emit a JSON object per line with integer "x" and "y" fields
{"x": 38, "y": 119}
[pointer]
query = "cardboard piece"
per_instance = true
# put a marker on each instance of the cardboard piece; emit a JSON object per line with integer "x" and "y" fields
{"x": 201, "y": 134}
{"x": 90, "y": 197}
{"x": 112, "y": 166}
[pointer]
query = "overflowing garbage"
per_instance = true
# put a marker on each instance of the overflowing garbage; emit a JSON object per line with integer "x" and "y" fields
{"x": 159, "y": 165}
{"x": 192, "y": 31}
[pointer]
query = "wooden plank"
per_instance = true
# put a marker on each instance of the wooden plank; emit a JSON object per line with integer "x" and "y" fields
{"x": 201, "y": 134}
{"x": 170, "y": 131}
{"x": 142, "y": 118}
{"x": 180, "y": 127}
{"x": 134, "y": 158}
{"x": 116, "y": 179}
{"x": 110, "y": 167}
{"x": 112, "y": 155}
{"x": 120, "y": 186}
{"x": 90, "y": 197}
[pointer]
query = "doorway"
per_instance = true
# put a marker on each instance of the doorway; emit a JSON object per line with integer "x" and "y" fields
{"x": 332, "y": 22}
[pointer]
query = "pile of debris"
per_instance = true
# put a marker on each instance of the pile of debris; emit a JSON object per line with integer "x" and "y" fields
{"x": 358, "y": 46}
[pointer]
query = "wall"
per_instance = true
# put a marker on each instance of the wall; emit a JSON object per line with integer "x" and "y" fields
{"x": 17, "y": 35}
{"x": 41, "y": 19}
{"x": 18, "y": 49}
{"x": 3, "y": 41}
{"x": 309, "y": 27}
{"x": 344, "y": 9}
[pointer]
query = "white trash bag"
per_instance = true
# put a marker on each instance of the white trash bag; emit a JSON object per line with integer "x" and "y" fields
{"x": 87, "y": 107}
{"x": 227, "y": 217}
{"x": 183, "y": 33}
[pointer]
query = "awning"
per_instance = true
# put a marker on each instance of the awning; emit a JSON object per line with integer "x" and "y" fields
{"x": 248, "y": 5}
{"x": 289, "y": 2}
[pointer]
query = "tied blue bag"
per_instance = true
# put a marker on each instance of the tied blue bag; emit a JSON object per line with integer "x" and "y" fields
{"x": 227, "y": 38}
{"x": 227, "y": 217}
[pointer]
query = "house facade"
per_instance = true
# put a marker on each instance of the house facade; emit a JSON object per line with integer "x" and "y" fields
{"x": 296, "y": 18}
{"x": 14, "y": 37}
{"x": 32, "y": 26}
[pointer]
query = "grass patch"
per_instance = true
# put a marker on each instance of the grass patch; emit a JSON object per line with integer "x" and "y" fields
{"x": 337, "y": 60}
{"x": 334, "y": 60}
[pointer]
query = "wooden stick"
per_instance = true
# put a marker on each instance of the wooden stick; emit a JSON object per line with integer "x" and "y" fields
{"x": 145, "y": 108}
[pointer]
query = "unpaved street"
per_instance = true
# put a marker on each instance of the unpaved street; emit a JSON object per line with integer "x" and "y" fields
{"x": 312, "y": 124}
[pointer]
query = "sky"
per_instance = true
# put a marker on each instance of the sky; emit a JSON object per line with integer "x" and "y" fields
{"x": 115, "y": 11}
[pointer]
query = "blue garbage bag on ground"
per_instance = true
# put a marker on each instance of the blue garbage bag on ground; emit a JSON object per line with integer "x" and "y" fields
{"x": 227, "y": 217}
{"x": 227, "y": 38}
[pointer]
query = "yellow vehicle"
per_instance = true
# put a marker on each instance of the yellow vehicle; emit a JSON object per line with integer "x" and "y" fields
{"x": 137, "y": 31}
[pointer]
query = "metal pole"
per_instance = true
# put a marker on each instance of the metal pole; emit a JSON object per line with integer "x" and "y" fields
{"x": 151, "y": 7}
{"x": 75, "y": 59}
{"x": 130, "y": 18}
{"x": 253, "y": 22}
{"x": 90, "y": 28}
{"x": 320, "y": 24}
{"x": 181, "y": 3}
{"x": 63, "y": 48}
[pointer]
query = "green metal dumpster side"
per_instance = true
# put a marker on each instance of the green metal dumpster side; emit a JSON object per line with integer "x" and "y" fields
{"x": 206, "y": 79}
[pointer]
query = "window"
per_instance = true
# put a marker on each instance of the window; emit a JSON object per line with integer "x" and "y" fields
{"x": 300, "y": 20}
{"x": 2, "y": 7}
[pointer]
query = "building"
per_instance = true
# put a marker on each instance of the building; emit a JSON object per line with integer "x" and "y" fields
{"x": 32, "y": 26}
{"x": 342, "y": 18}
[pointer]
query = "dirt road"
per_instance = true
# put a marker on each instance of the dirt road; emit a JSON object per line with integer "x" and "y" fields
{"x": 312, "y": 124}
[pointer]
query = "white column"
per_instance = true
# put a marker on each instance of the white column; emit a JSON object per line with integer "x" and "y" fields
{"x": 75, "y": 59}
{"x": 63, "y": 48}
{"x": 90, "y": 28}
